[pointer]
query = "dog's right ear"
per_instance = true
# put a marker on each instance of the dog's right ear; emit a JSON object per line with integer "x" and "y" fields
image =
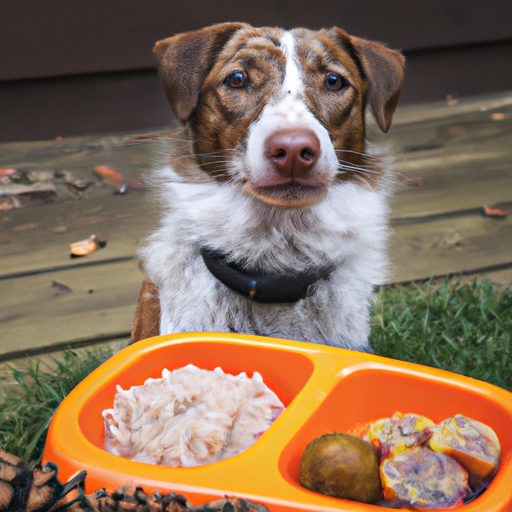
{"x": 186, "y": 59}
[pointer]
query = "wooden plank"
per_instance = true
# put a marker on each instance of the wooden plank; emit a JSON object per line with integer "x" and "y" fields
{"x": 45, "y": 309}
{"x": 437, "y": 110}
{"x": 501, "y": 276}
{"x": 444, "y": 246}
{"x": 458, "y": 159}
{"x": 452, "y": 161}
{"x": 462, "y": 184}
{"x": 79, "y": 155}
{"x": 39, "y": 310}
{"x": 36, "y": 239}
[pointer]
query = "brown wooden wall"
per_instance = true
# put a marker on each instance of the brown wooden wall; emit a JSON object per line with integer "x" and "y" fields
{"x": 82, "y": 66}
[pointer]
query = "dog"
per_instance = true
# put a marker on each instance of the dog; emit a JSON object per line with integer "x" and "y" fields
{"x": 275, "y": 215}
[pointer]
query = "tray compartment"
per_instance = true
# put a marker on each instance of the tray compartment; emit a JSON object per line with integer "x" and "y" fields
{"x": 284, "y": 372}
{"x": 369, "y": 392}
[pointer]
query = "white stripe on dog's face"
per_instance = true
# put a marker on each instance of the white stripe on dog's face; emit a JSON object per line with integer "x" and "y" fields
{"x": 292, "y": 83}
{"x": 288, "y": 112}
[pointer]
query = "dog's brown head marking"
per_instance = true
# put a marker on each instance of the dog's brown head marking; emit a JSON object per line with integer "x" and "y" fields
{"x": 238, "y": 89}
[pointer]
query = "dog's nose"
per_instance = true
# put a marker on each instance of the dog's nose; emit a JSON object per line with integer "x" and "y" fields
{"x": 293, "y": 152}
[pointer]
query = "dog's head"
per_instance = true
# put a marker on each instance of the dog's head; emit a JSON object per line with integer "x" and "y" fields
{"x": 282, "y": 113}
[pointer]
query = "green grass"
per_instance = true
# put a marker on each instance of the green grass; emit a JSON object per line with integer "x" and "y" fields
{"x": 27, "y": 408}
{"x": 460, "y": 326}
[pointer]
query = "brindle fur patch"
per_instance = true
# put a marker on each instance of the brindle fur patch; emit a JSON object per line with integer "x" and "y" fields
{"x": 224, "y": 114}
{"x": 342, "y": 111}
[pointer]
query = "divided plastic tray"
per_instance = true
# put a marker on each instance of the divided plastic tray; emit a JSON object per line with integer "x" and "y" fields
{"x": 324, "y": 390}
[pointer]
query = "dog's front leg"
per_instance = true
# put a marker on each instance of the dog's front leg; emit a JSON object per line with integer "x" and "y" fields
{"x": 147, "y": 314}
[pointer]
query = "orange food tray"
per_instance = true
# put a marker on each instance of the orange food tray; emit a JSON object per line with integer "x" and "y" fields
{"x": 324, "y": 389}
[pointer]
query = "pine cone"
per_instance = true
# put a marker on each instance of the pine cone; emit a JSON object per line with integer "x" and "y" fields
{"x": 231, "y": 505}
{"x": 127, "y": 499}
{"x": 25, "y": 490}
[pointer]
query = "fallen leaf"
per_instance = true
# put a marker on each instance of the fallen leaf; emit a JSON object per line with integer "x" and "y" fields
{"x": 40, "y": 176}
{"x": 146, "y": 137}
{"x": 456, "y": 130}
{"x": 10, "y": 203}
{"x": 64, "y": 175}
{"x": 497, "y": 116}
{"x": 87, "y": 246}
{"x": 61, "y": 287}
{"x": 493, "y": 212}
{"x": 34, "y": 191}
{"x": 23, "y": 227}
{"x": 451, "y": 101}
{"x": 107, "y": 172}
{"x": 136, "y": 183}
{"x": 81, "y": 184}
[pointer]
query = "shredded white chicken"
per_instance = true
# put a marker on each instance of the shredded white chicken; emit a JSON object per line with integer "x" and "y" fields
{"x": 190, "y": 417}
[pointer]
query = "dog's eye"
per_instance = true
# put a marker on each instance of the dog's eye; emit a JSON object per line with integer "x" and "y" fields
{"x": 333, "y": 81}
{"x": 236, "y": 79}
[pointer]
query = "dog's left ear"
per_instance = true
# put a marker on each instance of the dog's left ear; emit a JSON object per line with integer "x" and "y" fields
{"x": 384, "y": 69}
{"x": 185, "y": 60}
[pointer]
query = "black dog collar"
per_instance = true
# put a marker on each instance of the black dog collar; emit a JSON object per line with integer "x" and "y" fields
{"x": 265, "y": 288}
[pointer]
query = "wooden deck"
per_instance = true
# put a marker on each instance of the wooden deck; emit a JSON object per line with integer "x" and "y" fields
{"x": 450, "y": 161}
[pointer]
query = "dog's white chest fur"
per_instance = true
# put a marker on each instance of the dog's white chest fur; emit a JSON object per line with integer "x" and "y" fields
{"x": 348, "y": 227}
{"x": 300, "y": 187}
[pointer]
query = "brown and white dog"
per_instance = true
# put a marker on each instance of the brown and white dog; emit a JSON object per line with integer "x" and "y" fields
{"x": 275, "y": 211}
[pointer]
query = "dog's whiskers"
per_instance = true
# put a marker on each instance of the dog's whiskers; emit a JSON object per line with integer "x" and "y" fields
{"x": 217, "y": 162}
{"x": 358, "y": 168}
{"x": 192, "y": 156}
{"x": 366, "y": 156}
{"x": 360, "y": 178}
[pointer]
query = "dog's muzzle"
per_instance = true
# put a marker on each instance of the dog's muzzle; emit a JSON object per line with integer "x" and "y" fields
{"x": 265, "y": 288}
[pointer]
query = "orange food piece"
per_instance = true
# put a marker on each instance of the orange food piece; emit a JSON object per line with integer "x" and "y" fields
{"x": 472, "y": 443}
{"x": 392, "y": 435}
{"x": 421, "y": 478}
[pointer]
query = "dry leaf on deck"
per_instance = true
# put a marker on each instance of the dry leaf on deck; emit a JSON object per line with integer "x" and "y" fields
{"x": 107, "y": 172}
{"x": 81, "y": 184}
{"x": 87, "y": 246}
{"x": 493, "y": 212}
{"x": 9, "y": 203}
{"x": 7, "y": 172}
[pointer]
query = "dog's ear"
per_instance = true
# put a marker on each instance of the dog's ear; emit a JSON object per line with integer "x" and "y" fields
{"x": 384, "y": 69}
{"x": 184, "y": 63}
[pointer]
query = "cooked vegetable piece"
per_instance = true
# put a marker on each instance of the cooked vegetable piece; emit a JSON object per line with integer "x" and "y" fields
{"x": 472, "y": 443}
{"x": 342, "y": 466}
{"x": 421, "y": 478}
{"x": 397, "y": 433}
